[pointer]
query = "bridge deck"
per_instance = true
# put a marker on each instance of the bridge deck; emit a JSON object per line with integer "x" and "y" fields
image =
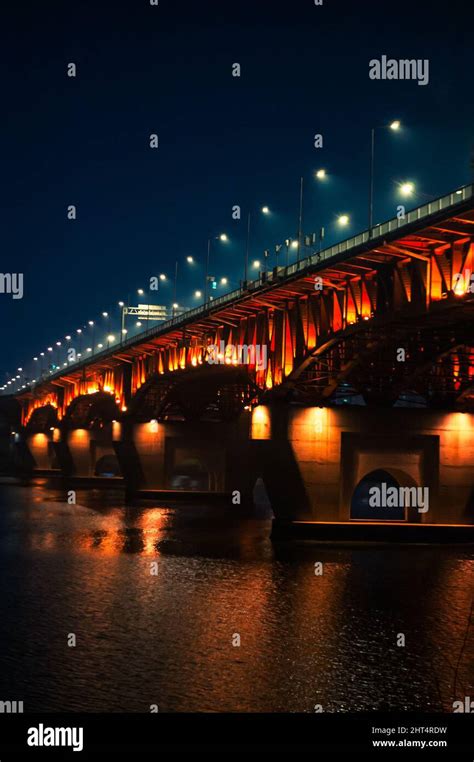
{"x": 437, "y": 223}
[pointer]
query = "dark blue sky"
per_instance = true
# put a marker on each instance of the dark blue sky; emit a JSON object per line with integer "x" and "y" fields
{"x": 223, "y": 140}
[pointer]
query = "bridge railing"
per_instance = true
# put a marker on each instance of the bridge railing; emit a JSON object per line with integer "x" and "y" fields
{"x": 451, "y": 199}
{"x": 394, "y": 224}
{"x": 432, "y": 207}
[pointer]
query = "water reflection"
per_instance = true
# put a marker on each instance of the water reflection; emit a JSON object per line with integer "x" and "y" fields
{"x": 305, "y": 638}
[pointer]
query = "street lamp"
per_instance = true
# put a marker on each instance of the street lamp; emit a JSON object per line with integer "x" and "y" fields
{"x": 320, "y": 174}
{"x": 265, "y": 210}
{"x": 91, "y": 324}
{"x": 107, "y": 321}
{"x": 121, "y": 306}
{"x": 224, "y": 238}
{"x": 343, "y": 220}
{"x": 407, "y": 189}
{"x": 394, "y": 126}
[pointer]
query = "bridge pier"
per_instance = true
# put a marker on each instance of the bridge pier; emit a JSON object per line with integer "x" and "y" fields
{"x": 315, "y": 461}
{"x": 89, "y": 453}
{"x": 37, "y": 452}
{"x": 80, "y": 453}
{"x": 317, "y": 464}
{"x": 193, "y": 456}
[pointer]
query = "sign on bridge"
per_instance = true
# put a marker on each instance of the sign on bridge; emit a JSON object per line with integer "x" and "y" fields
{"x": 147, "y": 311}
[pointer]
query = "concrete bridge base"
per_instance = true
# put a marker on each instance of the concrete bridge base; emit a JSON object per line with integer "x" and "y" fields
{"x": 316, "y": 464}
{"x": 317, "y": 461}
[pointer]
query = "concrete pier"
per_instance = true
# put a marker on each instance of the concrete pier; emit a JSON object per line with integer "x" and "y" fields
{"x": 315, "y": 463}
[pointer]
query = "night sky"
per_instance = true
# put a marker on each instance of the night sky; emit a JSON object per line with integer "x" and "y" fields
{"x": 223, "y": 140}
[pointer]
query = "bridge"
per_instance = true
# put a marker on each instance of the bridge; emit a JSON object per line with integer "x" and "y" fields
{"x": 368, "y": 367}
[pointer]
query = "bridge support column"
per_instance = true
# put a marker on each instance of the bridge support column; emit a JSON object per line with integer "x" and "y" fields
{"x": 314, "y": 462}
{"x": 88, "y": 453}
{"x": 35, "y": 452}
{"x": 217, "y": 458}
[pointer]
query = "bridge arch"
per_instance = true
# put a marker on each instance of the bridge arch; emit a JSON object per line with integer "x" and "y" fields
{"x": 107, "y": 466}
{"x": 91, "y": 411}
{"x": 376, "y": 493}
{"x": 383, "y": 360}
{"x": 208, "y": 393}
{"x": 42, "y": 420}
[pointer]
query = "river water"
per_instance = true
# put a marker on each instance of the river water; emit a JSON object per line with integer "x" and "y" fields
{"x": 158, "y": 598}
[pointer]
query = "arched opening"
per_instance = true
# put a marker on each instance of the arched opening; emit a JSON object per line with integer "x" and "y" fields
{"x": 42, "y": 420}
{"x": 211, "y": 393}
{"x": 92, "y": 411}
{"x": 107, "y": 466}
{"x": 190, "y": 473}
{"x": 377, "y": 498}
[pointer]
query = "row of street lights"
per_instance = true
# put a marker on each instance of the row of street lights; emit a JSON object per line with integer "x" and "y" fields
{"x": 343, "y": 220}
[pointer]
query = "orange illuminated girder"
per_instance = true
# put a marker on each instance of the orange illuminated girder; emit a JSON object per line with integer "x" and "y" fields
{"x": 296, "y": 326}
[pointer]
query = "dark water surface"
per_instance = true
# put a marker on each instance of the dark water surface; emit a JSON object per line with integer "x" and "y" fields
{"x": 167, "y": 639}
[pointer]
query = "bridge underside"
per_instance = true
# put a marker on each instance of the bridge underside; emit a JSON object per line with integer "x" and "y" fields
{"x": 383, "y": 362}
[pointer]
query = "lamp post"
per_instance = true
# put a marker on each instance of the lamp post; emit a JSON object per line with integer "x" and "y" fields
{"x": 265, "y": 210}
{"x": 121, "y": 306}
{"x": 107, "y": 322}
{"x": 68, "y": 339}
{"x": 247, "y": 248}
{"x": 175, "y": 289}
{"x": 300, "y": 221}
{"x": 392, "y": 126}
{"x": 223, "y": 238}
{"x": 91, "y": 324}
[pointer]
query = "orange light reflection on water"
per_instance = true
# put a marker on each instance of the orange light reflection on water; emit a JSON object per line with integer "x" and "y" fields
{"x": 113, "y": 534}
